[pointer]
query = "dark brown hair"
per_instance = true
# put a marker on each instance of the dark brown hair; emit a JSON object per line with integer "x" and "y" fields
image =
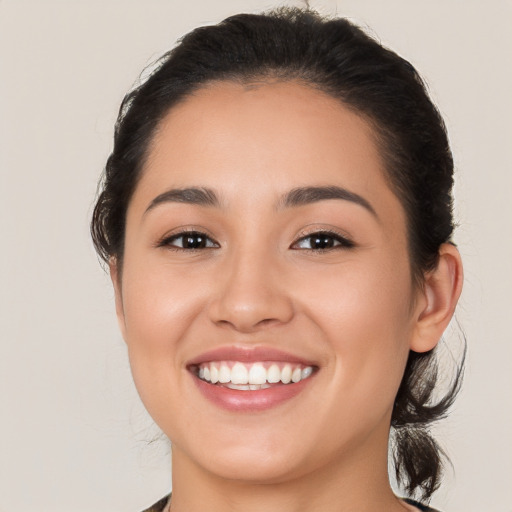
{"x": 340, "y": 59}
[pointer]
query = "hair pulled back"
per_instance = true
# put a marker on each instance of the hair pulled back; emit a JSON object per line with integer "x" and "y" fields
{"x": 338, "y": 58}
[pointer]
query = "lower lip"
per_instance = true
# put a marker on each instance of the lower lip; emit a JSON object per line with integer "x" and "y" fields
{"x": 248, "y": 401}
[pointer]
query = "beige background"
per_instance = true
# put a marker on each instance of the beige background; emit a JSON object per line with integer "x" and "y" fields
{"x": 73, "y": 435}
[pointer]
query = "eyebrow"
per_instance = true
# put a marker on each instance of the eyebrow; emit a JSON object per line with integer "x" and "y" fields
{"x": 306, "y": 195}
{"x": 192, "y": 195}
{"x": 299, "y": 196}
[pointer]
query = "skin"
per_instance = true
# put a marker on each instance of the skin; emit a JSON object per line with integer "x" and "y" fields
{"x": 353, "y": 311}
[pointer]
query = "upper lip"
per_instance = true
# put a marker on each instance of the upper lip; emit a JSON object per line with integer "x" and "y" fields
{"x": 248, "y": 355}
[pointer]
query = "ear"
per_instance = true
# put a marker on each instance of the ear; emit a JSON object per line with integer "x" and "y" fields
{"x": 115, "y": 275}
{"x": 437, "y": 301}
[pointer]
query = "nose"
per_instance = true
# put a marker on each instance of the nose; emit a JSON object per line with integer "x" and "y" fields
{"x": 251, "y": 295}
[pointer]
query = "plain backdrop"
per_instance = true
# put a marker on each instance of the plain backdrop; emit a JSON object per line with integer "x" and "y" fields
{"x": 73, "y": 435}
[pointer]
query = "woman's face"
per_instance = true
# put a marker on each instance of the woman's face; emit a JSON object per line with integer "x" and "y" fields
{"x": 264, "y": 243}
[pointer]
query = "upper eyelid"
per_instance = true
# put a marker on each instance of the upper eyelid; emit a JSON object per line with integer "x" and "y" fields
{"x": 186, "y": 229}
{"x": 319, "y": 227}
{"x": 330, "y": 232}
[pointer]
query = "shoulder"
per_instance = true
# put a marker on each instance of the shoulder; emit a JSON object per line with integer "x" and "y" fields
{"x": 419, "y": 506}
{"x": 158, "y": 506}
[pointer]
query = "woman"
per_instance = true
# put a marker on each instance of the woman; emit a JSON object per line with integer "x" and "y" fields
{"x": 276, "y": 215}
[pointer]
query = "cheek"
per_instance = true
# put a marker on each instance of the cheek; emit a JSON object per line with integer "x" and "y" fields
{"x": 363, "y": 314}
{"x": 158, "y": 303}
{"x": 156, "y": 321}
{"x": 360, "y": 297}
{"x": 159, "y": 308}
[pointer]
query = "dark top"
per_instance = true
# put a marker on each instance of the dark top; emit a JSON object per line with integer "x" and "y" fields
{"x": 419, "y": 506}
{"x": 160, "y": 505}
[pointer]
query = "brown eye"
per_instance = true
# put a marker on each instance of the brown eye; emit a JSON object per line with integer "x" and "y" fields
{"x": 322, "y": 241}
{"x": 189, "y": 240}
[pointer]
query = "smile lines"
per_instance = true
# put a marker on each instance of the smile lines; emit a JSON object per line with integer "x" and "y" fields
{"x": 251, "y": 376}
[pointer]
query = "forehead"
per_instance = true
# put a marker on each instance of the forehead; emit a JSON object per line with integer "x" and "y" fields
{"x": 259, "y": 140}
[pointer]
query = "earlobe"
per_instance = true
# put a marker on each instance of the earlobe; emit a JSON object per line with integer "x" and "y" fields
{"x": 440, "y": 294}
{"x": 116, "y": 283}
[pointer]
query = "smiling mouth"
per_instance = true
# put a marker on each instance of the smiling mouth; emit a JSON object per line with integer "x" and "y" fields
{"x": 254, "y": 376}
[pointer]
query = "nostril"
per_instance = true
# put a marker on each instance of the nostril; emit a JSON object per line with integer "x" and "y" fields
{"x": 267, "y": 321}
{"x": 248, "y": 326}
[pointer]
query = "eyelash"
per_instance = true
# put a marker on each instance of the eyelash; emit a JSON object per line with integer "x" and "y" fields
{"x": 342, "y": 241}
{"x": 167, "y": 241}
{"x": 339, "y": 241}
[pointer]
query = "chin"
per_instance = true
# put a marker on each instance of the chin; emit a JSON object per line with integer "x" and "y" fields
{"x": 257, "y": 462}
{"x": 257, "y": 467}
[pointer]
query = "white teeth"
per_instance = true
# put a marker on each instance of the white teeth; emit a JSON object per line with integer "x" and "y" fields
{"x": 247, "y": 376}
{"x": 214, "y": 374}
{"x": 274, "y": 374}
{"x": 247, "y": 387}
{"x": 296, "y": 375}
{"x": 286, "y": 374}
{"x": 241, "y": 387}
{"x": 239, "y": 374}
{"x": 257, "y": 374}
{"x": 306, "y": 372}
{"x": 224, "y": 374}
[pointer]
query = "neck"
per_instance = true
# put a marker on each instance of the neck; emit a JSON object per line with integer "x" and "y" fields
{"x": 356, "y": 482}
